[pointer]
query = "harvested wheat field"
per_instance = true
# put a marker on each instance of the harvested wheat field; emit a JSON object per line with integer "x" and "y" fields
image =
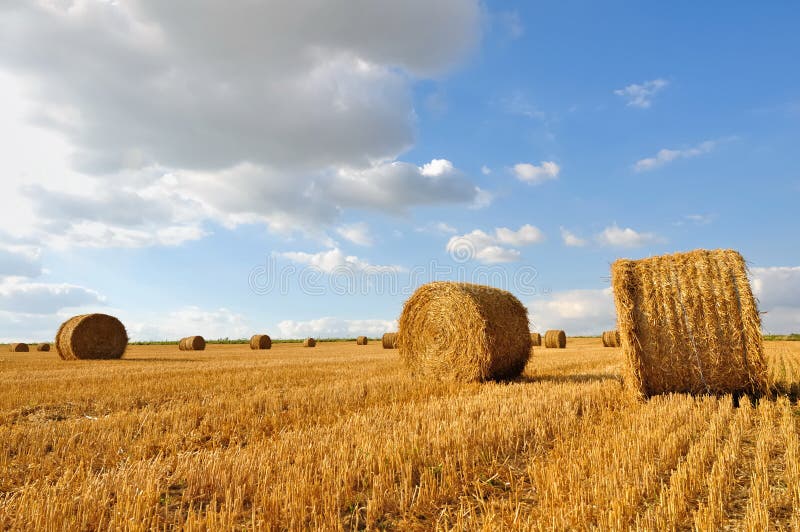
{"x": 340, "y": 437}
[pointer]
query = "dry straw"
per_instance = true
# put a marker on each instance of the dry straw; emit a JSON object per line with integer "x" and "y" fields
{"x": 555, "y": 339}
{"x": 362, "y": 340}
{"x": 309, "y": 342}
{"x": 192, "y": 343}
{"x": 43, "y": 347}
{"x": 260, "y": 341}
{"x": 19, "y": 347}
{"x": 91, "y": 336}
{"x": 689, "y": 323}
{"x": 389, "y": 340}
{"x": 536, "y": 339}
{"x": 611, "y": 339}
{"x": 464, "y": 332}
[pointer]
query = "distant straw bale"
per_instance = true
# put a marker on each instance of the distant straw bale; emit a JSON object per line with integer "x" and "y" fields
{"x": 91, "y": 336}
{"x": 464, "y": 332}
{"x": 260, "y": 341}
{"x": 192, "y": 343}
{"x": 555, "y": 339}
{"x": 389, "y": 340}
{"x": 611, "y": 338}
{"x": 19, "y": 347}
{"x": 688, "y": 323}
{"x": 536, "y": 339}
{"x": 362, "y": 340}
{"x": 309, "y": 342}
{"x": 43, "y": 347}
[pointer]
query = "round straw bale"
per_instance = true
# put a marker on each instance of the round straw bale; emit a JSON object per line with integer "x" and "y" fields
{"x": 43, "y": 347}
{"x": 361, "y": 340}
{"x": 19, "y": 347}
{"x": 464, "y": 332}
{"x": 536, "y": 339}
{"x": 91, "y": 336}
{"x": 260, "y": 341}
{"x": 193, "y": 343}
{"x": 309, "y": 342}
{"x": 611, "y": 338}
{"x": 689, "y": 323}
{"x": 555, "y": 339}
{"x": 389, "y": 340}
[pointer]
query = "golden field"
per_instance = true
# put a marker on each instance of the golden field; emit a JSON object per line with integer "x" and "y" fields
{"x": 339, "y": 437}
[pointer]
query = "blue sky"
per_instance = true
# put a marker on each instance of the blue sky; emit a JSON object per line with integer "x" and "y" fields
{"x": 158, "y": 164}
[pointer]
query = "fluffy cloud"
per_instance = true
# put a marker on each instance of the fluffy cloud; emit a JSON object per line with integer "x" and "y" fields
{"x": 270, "y": 121}
{"x": 571, "y": 239}
{"x": 335, "y": 261}
{"x": 778, "y": 291}
{"x": 335, "y": 328}
{"x": 20, "y": 296}
{"x": 395, "y": 186}
{"x": 481, "y": 246}
{"x": 357, "y": 233}
{"x": 641, "y": 94}
{"x": 615, "y": 236}
{"x": 535, "y": 175}
{"x": 581, "y": 312}
{"x": 214, "y": 324}
{"x": 665, "y": 156}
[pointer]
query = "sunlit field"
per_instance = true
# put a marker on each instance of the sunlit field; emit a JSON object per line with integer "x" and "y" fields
{"x": 340, "y": 437}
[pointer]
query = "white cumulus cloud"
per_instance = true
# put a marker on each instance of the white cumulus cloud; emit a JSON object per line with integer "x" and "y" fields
{"x": 491, "y": 248}
{"x": 289, "y": 115}
{"x": 778, "y": 291}
{"x": 535, "y": 175}
{"x": 335, "y": 261}
{"x": 357, "y": 233}
{"x": 665, "y": 156}
{"x": 187, "y": 321}
{"x": 571, "y": 239}
{"x": 25, "y": 297}
{"x": 616, "y": 236}
{"x": 641, "y": 94}
{"x": 578, "y": 312}
{"x": 330, "y": 327}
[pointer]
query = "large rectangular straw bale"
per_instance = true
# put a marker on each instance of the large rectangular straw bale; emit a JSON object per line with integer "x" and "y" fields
{"x": 688, "y": 322}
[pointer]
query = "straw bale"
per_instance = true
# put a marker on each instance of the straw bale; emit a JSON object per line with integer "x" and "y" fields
{"x": 260, "y": 341}
{"x": 91, "y": 336}
{"x": 464, "y": 332}
{"x": 555, "y": 339}
{"x": 689, "y": 323}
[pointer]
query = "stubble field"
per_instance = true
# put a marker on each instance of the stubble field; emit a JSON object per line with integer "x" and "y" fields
{"x": 339, "y": 437}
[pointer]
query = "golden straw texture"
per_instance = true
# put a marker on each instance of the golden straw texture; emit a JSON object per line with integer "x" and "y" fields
{"x": 192, "y": 343}
{"x": 536, "y": 339}
{"x": 611, "y": 338}
{"x": 260, "y": 341}
{"x": 91, "y": 336}
{"x": 464, "y": 332}
{"x": 688, "y": 323}
{"x": 555, "y": 339}
{"x": 362, "y": 340}
{"x": 389, "y": 341}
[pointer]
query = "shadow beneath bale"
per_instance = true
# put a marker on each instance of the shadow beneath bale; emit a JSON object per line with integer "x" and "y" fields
{"x": 790, "y": 390}
{"x": 573, "y": 378}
